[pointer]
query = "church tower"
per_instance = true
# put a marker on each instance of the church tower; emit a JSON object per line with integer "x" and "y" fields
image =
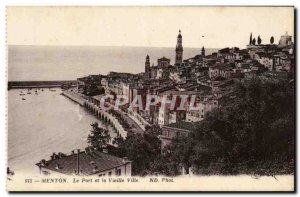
{"x": 147, "y": 68}
{"x": 179, "y": 49}
{"x": 203, "y": 52}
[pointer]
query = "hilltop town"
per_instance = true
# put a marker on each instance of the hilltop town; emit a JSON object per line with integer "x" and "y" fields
{"x": 211, "y": 78}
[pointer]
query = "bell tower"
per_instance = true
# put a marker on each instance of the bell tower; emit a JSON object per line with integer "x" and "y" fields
{"x": 203, "y": 51}
{"x": 147, "y": 68}
{"x": 179, "y": 49}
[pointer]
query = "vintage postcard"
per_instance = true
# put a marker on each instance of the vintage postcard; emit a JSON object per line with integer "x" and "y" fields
{"x": 150, "y": 98}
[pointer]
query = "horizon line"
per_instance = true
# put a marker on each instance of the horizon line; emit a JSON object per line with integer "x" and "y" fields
{"x": 132, "y": 46}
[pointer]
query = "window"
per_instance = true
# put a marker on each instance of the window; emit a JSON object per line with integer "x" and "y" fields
{"x": 118, "y": 172}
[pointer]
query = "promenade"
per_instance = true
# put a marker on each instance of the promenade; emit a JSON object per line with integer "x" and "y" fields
{"x": 118, "y": 119}
{"x": 135, "y": 127}
{"x": 128, "y": 119}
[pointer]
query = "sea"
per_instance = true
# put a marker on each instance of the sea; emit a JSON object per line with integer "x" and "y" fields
{"x": 41, "y": 122}
{"x": 38, "y": 63}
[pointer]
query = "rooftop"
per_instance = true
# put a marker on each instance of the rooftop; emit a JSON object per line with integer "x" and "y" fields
{"x": 176, "y": 92}
{"x": 188, "y": 126}
{"x": 90, "y": 162}
{"x": 164, "y": 58}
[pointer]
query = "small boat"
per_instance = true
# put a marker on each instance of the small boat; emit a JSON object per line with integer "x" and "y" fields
{"x": 53, "y": 90}
{"x": 28, "y": 92}
{"x": 23, "y": 99}
{"x": 21, "y": 94}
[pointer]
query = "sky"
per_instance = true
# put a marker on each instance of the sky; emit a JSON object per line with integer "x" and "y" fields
{"x": 212, "y": 27}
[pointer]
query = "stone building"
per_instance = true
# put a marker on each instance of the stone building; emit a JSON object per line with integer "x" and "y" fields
{"x": 161, "y": 71}
{"x": 85, "y": 163}
{"x": 147, "y": 68}
{"x": 178, "y": 129}
{"x": 285, "y": 40}
{"x": 179, "y": 49}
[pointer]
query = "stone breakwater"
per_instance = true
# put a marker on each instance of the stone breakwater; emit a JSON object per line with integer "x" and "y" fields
{"x": 40, "y": 84}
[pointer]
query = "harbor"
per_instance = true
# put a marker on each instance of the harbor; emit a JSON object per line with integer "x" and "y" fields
{"x": 39, "y": 128}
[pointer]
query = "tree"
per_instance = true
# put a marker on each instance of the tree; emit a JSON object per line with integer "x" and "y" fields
{"x": 119, "y": 143}
{"x": 250, "y": 41}
{"x": 99, "y": 137}
{"x": 251, "y": 134}
{"x": 258, "y": 40}
{"x": 92, "y": 90}
{"x": 166, "y": 164}
{"x": 272, "y": 40}
{"x": 143, "y": 149}
{"x": 253, "y": 41}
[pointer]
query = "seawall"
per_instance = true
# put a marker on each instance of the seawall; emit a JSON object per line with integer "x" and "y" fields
{"x": 103, "y": 115}
{"x": 74, "y": 97}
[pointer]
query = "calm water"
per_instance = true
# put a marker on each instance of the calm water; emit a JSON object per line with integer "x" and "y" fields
{"x": 43, "y": 124}
{"x": 48, "y": 122}
{"x": 70, "y": 62}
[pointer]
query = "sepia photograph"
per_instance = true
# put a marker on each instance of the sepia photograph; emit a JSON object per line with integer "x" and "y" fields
{"x": 150, "y": 98}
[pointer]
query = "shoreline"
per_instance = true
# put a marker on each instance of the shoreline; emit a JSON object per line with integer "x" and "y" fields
{"x": 98, "y": 113}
